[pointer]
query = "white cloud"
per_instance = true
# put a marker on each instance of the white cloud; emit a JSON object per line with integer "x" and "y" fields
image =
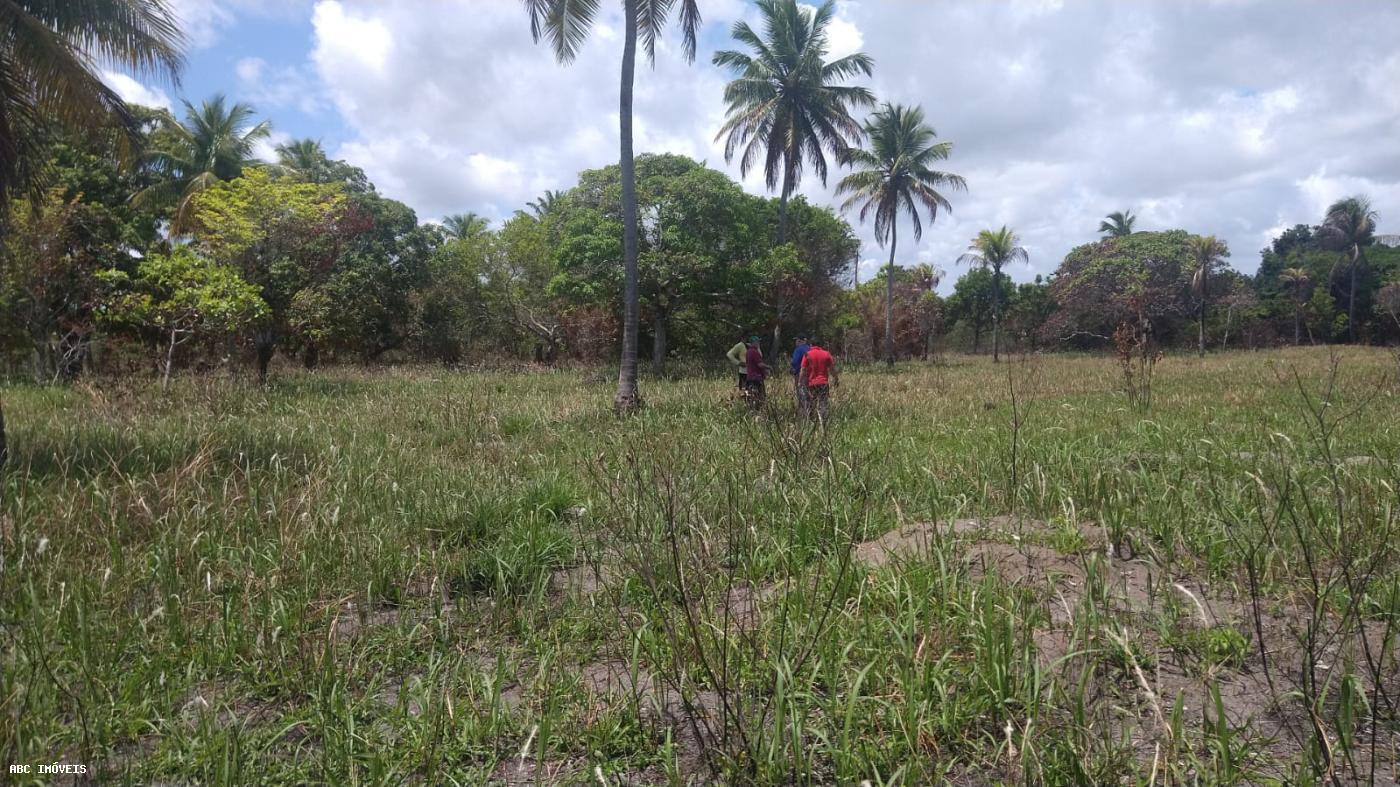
{"x": 133, "y": 92}
{"x": 265, "y": 149}
{"x": 1230, "y": 118}
{"x": 271, "y": 87}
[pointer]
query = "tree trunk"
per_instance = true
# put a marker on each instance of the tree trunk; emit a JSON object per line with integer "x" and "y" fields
{"x": 169, "y": 362}
{"x": 4, "y": 446}
{"x": 628, "y": 398}
{"x": 264, "y": 342}
{"x": 658, "y": 343}
{"x": 1297, "y": 325}
{"x": 1201, "y": 323}
{"x": 782, "y": 203}
{"x": 311, "y": 357}
{"x": 777, "y": 339}
{"x": 1351, "y": 299}
{"x": 889, "y": 298}
{"x": 996, "y": 314}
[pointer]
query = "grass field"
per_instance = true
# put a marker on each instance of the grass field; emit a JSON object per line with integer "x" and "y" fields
{"x": 436, "y": 577}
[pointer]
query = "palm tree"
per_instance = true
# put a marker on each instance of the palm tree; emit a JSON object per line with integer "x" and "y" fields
{"x": 1349, "y": 227}
{"x": 1297, "y": 281}
{"x": 784, "y": 103}
{"x": 1207, "y": 253}
{"x": 305, "y": 159}
{"x": 1117, "y": 224}
{"x": 565, "y": 23}
{"x": 464, "y": 225}
{"x": 547, "y": 202}
{"x": 48, "y": 54}
{"x": 896, "y": 174}
{"x": 992, "y": 249}
{"x": 215, "y": 142}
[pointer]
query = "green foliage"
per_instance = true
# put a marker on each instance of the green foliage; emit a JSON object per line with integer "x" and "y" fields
{"x": 786, "y": 104}
{"x": 1101, "y": 284}
{"x": 180, "y": 295}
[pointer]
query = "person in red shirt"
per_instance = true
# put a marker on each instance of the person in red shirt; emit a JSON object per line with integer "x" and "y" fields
{"x": 818, "y": 375}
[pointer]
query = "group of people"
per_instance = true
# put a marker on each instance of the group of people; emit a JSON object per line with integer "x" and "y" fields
{"x": 812, "y": 367}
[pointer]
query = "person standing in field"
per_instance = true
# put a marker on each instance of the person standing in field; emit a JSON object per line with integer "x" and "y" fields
{"x": 736, "y": 356}
{"x": 799, "y": 352}
{"x": 817, "y": 376}
{"x": 755, "y": 371}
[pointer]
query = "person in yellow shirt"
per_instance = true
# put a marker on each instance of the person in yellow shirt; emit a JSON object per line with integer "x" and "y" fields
{"x": 737, "y": 355}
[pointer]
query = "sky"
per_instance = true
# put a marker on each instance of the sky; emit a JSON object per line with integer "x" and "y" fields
{"x": 1237, "y": 118}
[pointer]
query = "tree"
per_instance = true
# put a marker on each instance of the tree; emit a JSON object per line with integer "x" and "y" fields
{"x": 1298, "y": 283}
{"x": 896, "y": 173}
{"x": 464, "y": 225}
{"x": 181, "y": 295}
{"x": 566, "y": 24}
{"x": 1117, "y": 224}
{"x": 994, "y": 249}
{"x": 1142, "y": 276}
{"x": 698, "y": 242}
{"x": 1208, "y": 254}
{"x": 784, "y": 103}
{"x": 281, "y": 235}
{"x": 1349, "y": 227}
{"x": 214, "y": 143}
{"x": 305, "y": 160}
{"x": 48, "y": 82}
{"x": 546, "y": 203}
{"x": 48, "y": 58}
{"x": 54, "y": 248}
{"x": 971, "y": 302}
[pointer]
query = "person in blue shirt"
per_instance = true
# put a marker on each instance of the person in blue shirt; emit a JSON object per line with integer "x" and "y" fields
{"x": 798, "y": 353}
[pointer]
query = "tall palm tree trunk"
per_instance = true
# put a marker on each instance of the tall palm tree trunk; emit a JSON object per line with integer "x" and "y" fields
{"x": 1297, "y": 324}
{"x": 996, "y": 314}
{"x": 1351, "y": 298}
{"x": 783, "y": 201}
{"x": 1201, "y": 325}
{"x": 627, "y": 395}
{"x": 889, "y": 298}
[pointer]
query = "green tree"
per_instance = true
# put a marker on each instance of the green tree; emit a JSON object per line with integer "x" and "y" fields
{"x": 181, "y": 295}
{"x": 53, "y": 249}
{"x": 1028, "y": 310}
{"x": 698, "y": 243}
{"x": 1117, "y": 224}
{"x": 546, "y": 203}
{"x": 971, "y": 302}
{"x": 993, "y": 249}
{"x": 1208, "y": 255}
{"x": 464, "y": 225}
{"x": 1349, "y": 227}
{"x": 305, "y": 160}
{"x": 281, "y": 235}
{"x": 1299, "y": 284}
{"x": 896, "y": 174}
{"x": 785, "y": 104}
{"x": 48, "y": 82}
{"x": 566, "y": 23}
{"x": 214, "y": 143}
{"x": 48, "y": 58}
{"x": 1143, "y": 275}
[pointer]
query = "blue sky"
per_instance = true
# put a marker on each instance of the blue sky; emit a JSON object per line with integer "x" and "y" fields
{"x": 1229, "y": 117}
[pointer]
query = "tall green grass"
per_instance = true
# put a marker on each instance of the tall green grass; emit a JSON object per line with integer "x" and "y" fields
{"x": 360, "y": 577}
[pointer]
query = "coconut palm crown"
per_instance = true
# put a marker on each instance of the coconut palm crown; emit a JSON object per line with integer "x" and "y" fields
{"x": 786, "y": 103}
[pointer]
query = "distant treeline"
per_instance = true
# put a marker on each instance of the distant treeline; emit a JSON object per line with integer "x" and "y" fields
{"x": 201, "y": 256}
